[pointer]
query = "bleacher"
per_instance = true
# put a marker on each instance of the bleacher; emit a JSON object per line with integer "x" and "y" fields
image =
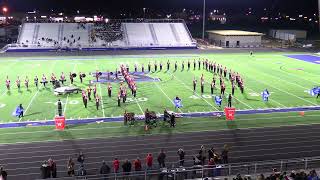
{"x": 103, "y": 36}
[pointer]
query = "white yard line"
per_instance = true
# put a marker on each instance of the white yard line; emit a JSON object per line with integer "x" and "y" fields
{"x": 166, "y": 95}
{"x": 66, "y": 104}
{"x": 285, "y": 92}
{"x": 102, "y": 106}
{"x": 35, "y": 95}
{"x": 100, "y": 92}
{"x": 192, "y": 91}
{"x": 139, "y": 106}
{"x": 32, "y": 99}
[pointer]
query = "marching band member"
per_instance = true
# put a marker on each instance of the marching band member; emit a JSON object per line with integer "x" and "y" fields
{"x": 8, "y": 83}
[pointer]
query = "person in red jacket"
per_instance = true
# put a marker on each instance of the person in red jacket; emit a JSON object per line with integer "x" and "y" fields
{"x": 149, "y": 161}
{"x": 116, "y": 165}
{"x": 137, "y": 164}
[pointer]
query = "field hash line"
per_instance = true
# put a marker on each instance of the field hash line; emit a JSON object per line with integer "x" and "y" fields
{"x": 195, "y": 92}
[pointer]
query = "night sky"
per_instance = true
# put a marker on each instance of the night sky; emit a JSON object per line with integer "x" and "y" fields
{"x": 112, "y": 6}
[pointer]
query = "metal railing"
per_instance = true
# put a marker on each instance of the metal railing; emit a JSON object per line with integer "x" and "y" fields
{"x": 223, "y": 170}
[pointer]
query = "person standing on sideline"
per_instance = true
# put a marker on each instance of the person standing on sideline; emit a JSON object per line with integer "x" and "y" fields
{"x": 59, "y": 108}
{"x": 70, "y": 167}
{"x": 229, "y": 100}
{"x": 137, "y": 164}
{"x": 81, "y": 158}
{"x": 181, "y": 154}
{"x": 161, "y": 159}
{"x": 116, "y": 165}
{"x": 149, "y": 161}
{"x": 104, "y": 170}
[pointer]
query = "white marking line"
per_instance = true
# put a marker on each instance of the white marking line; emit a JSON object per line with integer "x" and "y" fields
{"x": 282, "y": 90}
{"x": 25, "y": 112}
{"x": 165, "y": 95}
{"x": 65, "y": 106}
{"x": 139, "y": 105}
{"x": 32, "y": 99}
{"x": 102, "y": 106}
{"x": 304, "y": 88}
{"x": 194, "y": 92}
{"x": 285, "y": 92}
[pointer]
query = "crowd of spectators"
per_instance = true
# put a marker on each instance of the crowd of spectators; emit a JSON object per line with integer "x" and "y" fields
{"x": 202, "y": 158}
{"x": 108, "y": 32}
{"x": 277, "y": 175}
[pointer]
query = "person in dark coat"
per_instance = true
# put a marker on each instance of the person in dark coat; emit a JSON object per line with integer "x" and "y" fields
{"x": 81, "y": 158}
{"x": 126, "y": 167}
{"x": 3, "y": 173}
{"x": 105, "y": 170}
{"x": 161, "y": 159}
{"x": 181, "y": 154}
{"x": 59, "y": 108}
{"x": 44, "y": 170}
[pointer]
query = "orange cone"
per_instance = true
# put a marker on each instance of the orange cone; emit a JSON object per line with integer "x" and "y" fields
{"x": 301, "y": 113}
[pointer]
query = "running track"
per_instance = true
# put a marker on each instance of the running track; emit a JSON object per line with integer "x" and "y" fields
{"x": 22, "y": 161}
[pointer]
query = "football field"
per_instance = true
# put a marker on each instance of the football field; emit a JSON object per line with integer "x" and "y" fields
{"x": 288, "y": 81}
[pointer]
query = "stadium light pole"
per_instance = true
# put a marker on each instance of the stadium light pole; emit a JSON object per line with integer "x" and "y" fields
{"x": 204, "y": 18}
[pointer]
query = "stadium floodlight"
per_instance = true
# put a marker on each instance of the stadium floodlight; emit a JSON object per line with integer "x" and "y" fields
{"x": 4, "y": 9}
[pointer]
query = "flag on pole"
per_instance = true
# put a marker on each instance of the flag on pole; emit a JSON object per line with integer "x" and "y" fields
{"x": 265, "y": 95}
{"x": 218, "y": 100}
{"x": 314, "y": 91}
{"x": 17, "y": 111}
{"x": 177, "y": 102}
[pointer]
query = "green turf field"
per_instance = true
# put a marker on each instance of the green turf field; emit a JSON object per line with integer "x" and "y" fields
{"x": 287, "y": 80}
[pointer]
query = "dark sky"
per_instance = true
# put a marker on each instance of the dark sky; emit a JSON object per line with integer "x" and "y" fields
{"x": 116, "y": 5}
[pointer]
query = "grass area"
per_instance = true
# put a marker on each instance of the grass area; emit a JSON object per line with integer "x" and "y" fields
{"x": 286, "y": 79}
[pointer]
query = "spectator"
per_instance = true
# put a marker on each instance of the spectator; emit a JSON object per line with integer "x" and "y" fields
{"x": 211, "y": 165}
{"x": 181, "y": 154}
{"x": 52, "y": 166}
{"x": 44, "y": 170}
{"x": 126, "y": 167}
{"x": 313, "y": 175}
{"x": 81, "y": 158}
{"x": 70, "y": 167}
{"x": 116, "y": 165}
{"x": 104, "y": 170}
{"x": 3, "y": 173}
{"x": 224, "y": 154}
{"x": 161, "y": 159}
{"x": 202, "y": 153}
{"x": 82, "y": 171}
{"x": 137, "y": 164}
{"x": 211, "y": 153}
{"x": 149, "y": 161}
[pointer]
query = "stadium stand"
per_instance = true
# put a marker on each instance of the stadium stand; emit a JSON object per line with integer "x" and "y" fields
{"x": 103, "y": 36}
